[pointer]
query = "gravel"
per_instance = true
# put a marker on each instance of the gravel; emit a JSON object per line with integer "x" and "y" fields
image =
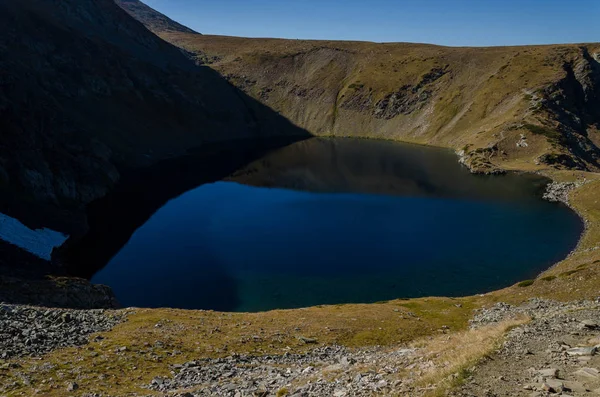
{"x": 556, "y": 353}
{"x": 30, "y": 331}
{"x": 325, "y": 371}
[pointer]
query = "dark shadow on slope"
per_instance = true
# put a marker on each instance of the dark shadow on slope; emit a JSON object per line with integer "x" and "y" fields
{"x": 101, "y": 121}
{"x": 88, "y": 93}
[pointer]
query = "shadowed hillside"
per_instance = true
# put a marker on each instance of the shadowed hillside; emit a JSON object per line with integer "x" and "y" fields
{"x": 507, "y": 107}
{"x": 88, "y": 93}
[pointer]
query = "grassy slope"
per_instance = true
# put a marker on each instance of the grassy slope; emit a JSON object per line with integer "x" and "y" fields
{"x": 445, "y": 96}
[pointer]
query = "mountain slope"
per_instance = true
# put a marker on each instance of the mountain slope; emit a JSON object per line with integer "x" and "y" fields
{"x": 87, "y": 93}
{"x": 152, "y": 19}
{"x": 509, "y": 107}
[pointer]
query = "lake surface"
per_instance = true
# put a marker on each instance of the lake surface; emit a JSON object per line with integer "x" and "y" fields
{"x": 328, "y": 221}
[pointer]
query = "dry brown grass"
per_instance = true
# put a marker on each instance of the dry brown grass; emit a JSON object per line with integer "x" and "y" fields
{"x": 455, "y": 354}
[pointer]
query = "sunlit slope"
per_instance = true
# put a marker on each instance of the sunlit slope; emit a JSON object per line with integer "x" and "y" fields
{"x": 471, "y": 98}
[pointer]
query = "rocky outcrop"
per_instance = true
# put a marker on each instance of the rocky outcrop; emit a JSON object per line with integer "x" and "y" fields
{"x": 573, "y": 104}
{"x": 409, "y": 98}
{"x": 559, "y": 191}
{"x": 478, "y": 161}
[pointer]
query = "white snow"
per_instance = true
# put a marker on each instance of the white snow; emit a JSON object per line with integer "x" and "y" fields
{"x": 39, "y": 242}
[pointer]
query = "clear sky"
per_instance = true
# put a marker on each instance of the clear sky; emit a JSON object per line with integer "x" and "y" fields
{"x": 445, "y": 22}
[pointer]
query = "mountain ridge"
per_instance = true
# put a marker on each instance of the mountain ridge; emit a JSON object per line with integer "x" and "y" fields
{"x": 499, "y": 107}
{"x": 152, "y": 19}
{"x": 88, "y": 94}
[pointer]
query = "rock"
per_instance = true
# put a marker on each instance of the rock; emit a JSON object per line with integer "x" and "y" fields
{"x": 559, "y": 191}
{"x": 381, "y": 384}
{"x": 72, "y": 386}
{"x": 548, "y": 373}
{"x": 552, "y": 386}
{"x": 522, "y": 141}
{"x": 582, "y": 351}
{"x": 588, "y": 373}
{"x": 589, "y": 324}
{"x": 30, "y": 331}
{"x": 158, "y": 381}
{"x": 555, "y": 385}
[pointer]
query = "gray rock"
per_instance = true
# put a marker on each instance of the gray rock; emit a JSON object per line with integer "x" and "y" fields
{"x": 29, "y": 331}
{"x": 581, "y": 351}
{"x": 589, "y": 324}
{"x": 548, "y": 373}
{"x": 588, "y": 373}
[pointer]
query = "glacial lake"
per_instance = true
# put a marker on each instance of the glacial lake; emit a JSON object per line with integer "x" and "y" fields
{"x": 329, "y": 221}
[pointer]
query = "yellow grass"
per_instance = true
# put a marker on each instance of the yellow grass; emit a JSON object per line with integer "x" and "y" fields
{"x": 457, "y": 353}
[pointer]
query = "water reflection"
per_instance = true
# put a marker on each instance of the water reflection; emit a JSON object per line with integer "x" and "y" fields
{"x": 342, "y": 220}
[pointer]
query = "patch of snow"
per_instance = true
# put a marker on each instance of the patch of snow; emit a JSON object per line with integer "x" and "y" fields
{"x": 39, "y": 242}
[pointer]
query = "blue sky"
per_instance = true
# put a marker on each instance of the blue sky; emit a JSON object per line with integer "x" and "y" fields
{"x": 445, "y": 22}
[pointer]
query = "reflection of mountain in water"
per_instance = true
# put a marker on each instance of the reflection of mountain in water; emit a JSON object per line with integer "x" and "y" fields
{"x": 380, "y": 167}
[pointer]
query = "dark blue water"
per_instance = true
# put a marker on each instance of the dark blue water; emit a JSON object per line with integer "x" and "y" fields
{"x": 233, "y": 247}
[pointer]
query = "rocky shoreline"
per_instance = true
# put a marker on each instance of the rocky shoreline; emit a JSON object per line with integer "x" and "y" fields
{"x": 559, "y": 191}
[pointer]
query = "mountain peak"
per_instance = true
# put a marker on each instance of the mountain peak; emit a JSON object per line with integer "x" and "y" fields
{"x": 152, "y": 19}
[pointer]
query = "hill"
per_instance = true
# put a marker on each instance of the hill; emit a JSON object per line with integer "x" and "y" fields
{"x": 507, "y": 107}
{"x": 89, "y": 93}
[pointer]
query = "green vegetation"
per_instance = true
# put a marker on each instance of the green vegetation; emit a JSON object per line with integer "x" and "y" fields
{"x": 552, "y": 135}
{"x": 569, "y": 273}
{"x": 548, "y": 278}
{"x": 526, "y": 283}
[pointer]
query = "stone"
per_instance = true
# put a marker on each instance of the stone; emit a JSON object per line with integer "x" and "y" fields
{"x": 158, "y": 381}
{"x": 72, "y": 386}
{"x": 555, "y": 385}
{"x": 381, "y": 384}
{"x": 589, "y": 324}
{"x": 548, "y": 373}
{"x": 588, "y": 373}
{"x": 581, "y": 351}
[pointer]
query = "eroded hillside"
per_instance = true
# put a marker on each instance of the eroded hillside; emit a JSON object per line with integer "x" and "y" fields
{"x": 507, "y": 107}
